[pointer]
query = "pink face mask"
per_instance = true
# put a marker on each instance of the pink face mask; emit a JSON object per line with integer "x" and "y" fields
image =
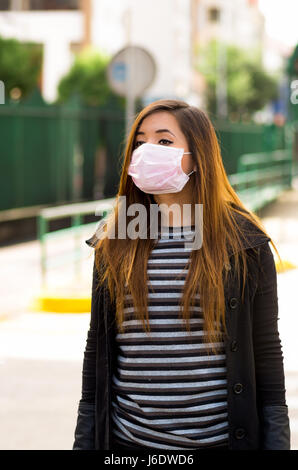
{"x": 156, "y": 169}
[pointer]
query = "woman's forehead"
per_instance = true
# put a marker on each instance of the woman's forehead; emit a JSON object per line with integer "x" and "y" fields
{"x": 157, "y": 121}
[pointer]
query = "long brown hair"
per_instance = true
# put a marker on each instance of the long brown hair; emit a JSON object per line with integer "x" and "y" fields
{"x": 123, "y": 262}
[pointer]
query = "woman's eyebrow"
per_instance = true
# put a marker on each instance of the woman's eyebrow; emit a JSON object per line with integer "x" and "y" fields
{"x": 159, "y": 131}
{"x": 164, "y": 130}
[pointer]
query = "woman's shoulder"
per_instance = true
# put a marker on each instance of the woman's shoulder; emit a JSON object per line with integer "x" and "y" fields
{"x": 250, "y": 233}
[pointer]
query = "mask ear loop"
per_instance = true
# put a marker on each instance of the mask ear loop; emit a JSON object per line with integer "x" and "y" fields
{"x": 192, "y": 170}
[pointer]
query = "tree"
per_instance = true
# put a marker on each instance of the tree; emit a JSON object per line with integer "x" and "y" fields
{"x": 87, "y": 78}
{"x": 249, "y": 86}
{"x": 20, "y": 66}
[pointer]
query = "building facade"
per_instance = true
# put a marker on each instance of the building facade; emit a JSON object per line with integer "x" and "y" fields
{"x": 168, "y": 29}
{"x": 57, "y": 25}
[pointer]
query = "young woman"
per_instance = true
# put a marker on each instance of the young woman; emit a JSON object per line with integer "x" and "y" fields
{"x": 183, "y": 349}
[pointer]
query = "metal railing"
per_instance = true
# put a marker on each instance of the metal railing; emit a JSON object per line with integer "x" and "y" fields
{"x": 262, "y": 177}
{"x": 76, "y": 212}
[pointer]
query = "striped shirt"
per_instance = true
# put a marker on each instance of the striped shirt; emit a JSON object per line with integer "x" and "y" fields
{"x": 168, "y": 392}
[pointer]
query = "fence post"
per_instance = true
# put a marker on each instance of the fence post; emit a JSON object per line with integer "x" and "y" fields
{"x": 76, "y": 221}
{"x": 42, "y": 227}
{"x": 289, "y": 139}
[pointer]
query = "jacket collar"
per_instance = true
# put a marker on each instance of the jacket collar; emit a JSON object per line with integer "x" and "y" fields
{"x": 251, "y": 236}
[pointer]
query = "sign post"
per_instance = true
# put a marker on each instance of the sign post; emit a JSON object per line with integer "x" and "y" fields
{"x": 130, "y": 72}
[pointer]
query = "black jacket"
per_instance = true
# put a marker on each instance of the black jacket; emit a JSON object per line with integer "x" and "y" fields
{"x": 257, "y": 409}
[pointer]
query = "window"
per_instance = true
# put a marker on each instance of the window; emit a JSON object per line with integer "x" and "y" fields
{"x": 4, "y": 5}
{"x": 54, "y": 4}
{"x": 213, "y": 15}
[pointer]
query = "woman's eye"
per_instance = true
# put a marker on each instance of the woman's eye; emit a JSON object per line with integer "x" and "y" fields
{"x": 161, "y": 142}
{"x": 166, "y": 142}
{"x": 137, "y": 143}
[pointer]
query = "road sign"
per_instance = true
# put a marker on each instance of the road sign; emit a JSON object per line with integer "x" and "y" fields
{"x": 130, "y": 72}
{"x": 132, "y": 68}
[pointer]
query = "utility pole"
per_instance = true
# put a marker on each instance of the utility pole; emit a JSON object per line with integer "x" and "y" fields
{"x": 129, "y": 66}
{"x": 194, "y": 32}
{"x": 221, "y": 82}
{"x": 16, "y": 5}
{"x": 196, "y": 76}
{"x": 86, "y": 7}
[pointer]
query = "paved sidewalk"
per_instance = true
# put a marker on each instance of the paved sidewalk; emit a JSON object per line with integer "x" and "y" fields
{"x": 40, "y": 366}
{"x": 20, "y": 273}
{"x": 281, "y": 220}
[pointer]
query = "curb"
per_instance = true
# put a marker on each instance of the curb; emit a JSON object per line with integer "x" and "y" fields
{"x": 3, "y": 317}
{"x": 61, "y": 304}
{"x": 284, "y": 266}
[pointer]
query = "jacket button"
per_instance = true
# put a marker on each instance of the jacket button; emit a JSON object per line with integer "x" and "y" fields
{"x": 234, "y": 346}
{"x": 240, "y": 433}
{"x": 233, "y": 302}
{"x": 238, "y": 388}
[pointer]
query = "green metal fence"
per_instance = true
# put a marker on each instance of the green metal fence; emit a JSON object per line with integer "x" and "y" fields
{"x": 293, "y": 139}
{"x": 262, "y": 177}
{"x": 49, "y": 154}
{"x": 237, "y": 139}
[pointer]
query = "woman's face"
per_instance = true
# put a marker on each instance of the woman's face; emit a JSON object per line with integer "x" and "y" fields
{"x": 162, "y": 128}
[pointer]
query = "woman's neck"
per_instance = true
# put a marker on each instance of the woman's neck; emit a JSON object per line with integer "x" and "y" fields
{"x": 181, "y": 213}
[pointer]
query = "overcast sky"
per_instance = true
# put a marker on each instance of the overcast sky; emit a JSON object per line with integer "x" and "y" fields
{"x": 281, "y": 20}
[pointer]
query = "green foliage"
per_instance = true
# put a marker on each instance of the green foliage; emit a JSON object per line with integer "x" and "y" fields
{"x": 292, "y": 65}
{"x": 87, "y": 78}
{"x": 249, "y": 86}
{"x": 20, "y": 65}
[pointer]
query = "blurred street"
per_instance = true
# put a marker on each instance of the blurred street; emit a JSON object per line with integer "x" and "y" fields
{"x": 41, "y": 353}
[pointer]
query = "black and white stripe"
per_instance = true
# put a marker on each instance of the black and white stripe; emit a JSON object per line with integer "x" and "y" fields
{"x": 169, "y": 392}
